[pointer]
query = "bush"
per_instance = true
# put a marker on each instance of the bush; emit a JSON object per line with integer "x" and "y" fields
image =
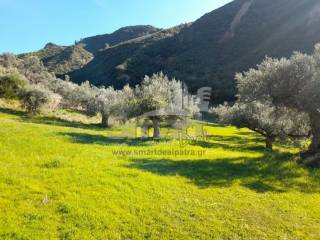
{"x": 35, "y": 98}
{"x": 11, "y": 83}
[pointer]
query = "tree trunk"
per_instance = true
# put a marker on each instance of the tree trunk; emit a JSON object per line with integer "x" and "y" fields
{"x": 269, "y": 142}
{"x": 156, "y": 128}
{"x": 105, "y": 120}
{"x": 315, "y": 130}
{"x": 312, "y": 156}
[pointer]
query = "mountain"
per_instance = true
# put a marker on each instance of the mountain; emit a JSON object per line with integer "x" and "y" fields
{"x": 114, "y": 66}
{"x": 49, "y": 51}
{"x": 99, "y": 42}
{"x": 62, "y": 59}
{"x": 69, "y": 59}
{"x": 65, "y": 59}
{"x": 212, "y": 49}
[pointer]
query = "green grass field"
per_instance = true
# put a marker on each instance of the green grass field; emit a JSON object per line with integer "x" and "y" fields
{"x": 68, "y": 180}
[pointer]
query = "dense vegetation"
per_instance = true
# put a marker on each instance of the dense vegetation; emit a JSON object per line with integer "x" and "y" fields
{"x": 280, "y": 98}
{"x": 28, "y": 80}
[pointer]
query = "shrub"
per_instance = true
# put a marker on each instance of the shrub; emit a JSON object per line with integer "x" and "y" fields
{"x": 35, "y": 98}
{"x": 11, "y": 83}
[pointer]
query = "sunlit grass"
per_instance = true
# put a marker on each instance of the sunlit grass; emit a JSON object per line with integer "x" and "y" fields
{"x": 62, "y": 180}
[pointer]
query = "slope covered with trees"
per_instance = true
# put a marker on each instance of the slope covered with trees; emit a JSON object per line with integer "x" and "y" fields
{"x": 116, "y": 66}
{"x": 211, "y": 50}
{"x": 61, "y": 59}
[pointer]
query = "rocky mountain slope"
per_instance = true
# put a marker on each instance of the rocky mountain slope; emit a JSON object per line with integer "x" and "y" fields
{"x": 100, "y": 42}
{"x": 211, "y": 50}
{"x": 65, "y": 59}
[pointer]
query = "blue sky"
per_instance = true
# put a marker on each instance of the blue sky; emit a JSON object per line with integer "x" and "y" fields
{"x": 27, "y": 25}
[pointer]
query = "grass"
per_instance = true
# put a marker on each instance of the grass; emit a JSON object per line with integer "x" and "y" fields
{"x": 73, "y": 180}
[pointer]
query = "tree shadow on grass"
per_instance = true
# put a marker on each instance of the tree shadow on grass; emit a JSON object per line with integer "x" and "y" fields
{"x": 233, "y": 143}
{"x": 64, "y": 123}
{"x": 232, "y": 147}
{"x": 274, "y": 172}
{"x": 24, "y": 117}
{"x": 13, "y": 112}
{"x": 84, "y": 138}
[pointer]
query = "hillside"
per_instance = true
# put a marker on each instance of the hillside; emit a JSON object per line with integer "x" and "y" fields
{"x": 61, "y": 59}
{"x": 71, "y": 58}
{"x": 49, "y": 50}
{"x": 64, "y": 59}
{"x": 212, "y": 49}
{"x": 100, "y": 42}
{"x": 114, "y": 66}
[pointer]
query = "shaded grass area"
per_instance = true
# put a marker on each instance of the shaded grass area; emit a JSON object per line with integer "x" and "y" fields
{"x": 231, "y": 143}
{"x": 84, "y": 138}
{"x": 270, "y": 173}
{"x": 60, "y": 180}
{"x": 49, "y": 120}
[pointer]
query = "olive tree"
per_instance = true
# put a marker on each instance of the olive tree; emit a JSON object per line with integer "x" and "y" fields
{"x": 11, "y": 83}
{"x": 30, "y": 67}
{"x": 293, "y": 83}
{"x": 153, "y": 95}
{"x": 107, "y": 102}
{"x": 126, "y": 107}
{"x": 75, "y": 96}
{"x": 267, "y": 120}
{"x": 36, "y": 98}
{"x": 158, "y": 98}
